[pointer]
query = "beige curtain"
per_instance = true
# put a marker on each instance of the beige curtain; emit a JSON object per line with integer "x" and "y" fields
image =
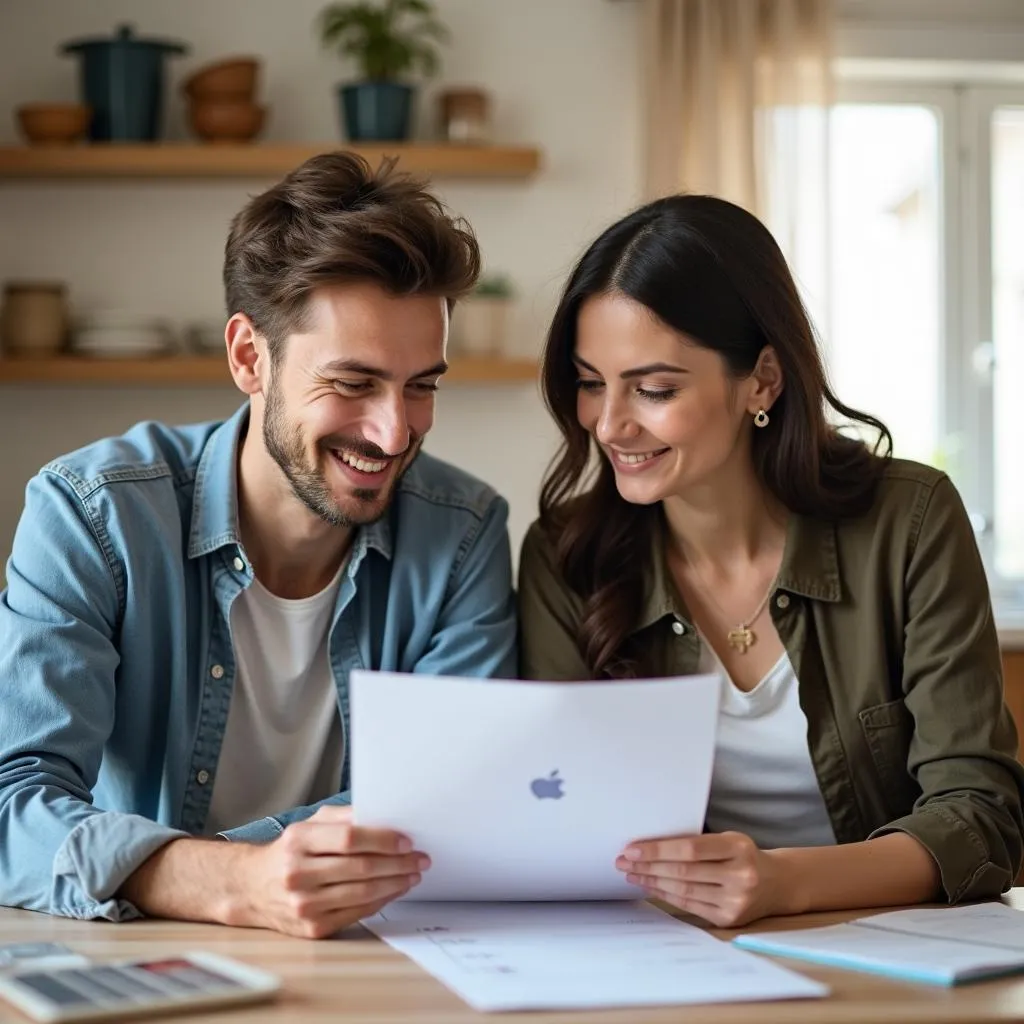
{"x": 737, "y": 99}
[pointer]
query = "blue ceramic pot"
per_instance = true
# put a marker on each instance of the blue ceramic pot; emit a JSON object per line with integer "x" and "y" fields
{"x": 122, "y": 80}
{"x": 376, "y": 111}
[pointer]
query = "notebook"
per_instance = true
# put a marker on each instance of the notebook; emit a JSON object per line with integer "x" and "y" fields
{"x": 940, "y": 946}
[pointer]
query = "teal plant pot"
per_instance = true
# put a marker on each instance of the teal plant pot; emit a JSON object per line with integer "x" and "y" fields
{"x": 376, "y": 111}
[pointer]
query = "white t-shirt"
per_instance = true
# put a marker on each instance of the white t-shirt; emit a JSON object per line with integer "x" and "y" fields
{"x": 763, "y": 783}
{"x": 283, "y": 742}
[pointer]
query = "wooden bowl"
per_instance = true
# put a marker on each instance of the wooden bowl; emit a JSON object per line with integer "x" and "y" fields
{"x": 228, "y": 79}
{"x": 226, "y": 120}
{"x": 54, "y": 124}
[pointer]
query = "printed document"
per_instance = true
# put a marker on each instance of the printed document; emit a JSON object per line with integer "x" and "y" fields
{"x": 518, "y": 956}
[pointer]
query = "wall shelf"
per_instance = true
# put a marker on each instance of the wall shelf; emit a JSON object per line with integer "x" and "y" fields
{"x": 177, "y": 371}
{"x": 272, "y": 160}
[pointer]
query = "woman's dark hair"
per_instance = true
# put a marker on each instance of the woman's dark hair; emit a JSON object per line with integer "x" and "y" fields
{"x": 712, "y": 271}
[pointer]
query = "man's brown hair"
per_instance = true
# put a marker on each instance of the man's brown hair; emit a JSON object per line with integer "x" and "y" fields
{"x": 335, "y": 219}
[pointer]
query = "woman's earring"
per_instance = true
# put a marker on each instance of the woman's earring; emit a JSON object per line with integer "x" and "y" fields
{"x": 761, "y": 418}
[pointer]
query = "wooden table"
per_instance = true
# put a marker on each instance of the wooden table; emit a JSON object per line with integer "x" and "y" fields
{"x": 358, "y": 979}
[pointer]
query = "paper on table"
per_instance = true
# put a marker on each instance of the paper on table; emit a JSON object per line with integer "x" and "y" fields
{"x": 941, "y": 946}
{"x": 987, "y": 924}
{"x": 502, "y": 956}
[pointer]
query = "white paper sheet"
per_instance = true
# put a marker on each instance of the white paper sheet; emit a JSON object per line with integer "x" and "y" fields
{"x": 987, "y": 924}
{"x": 530, "y": 790}
{"x": 519, "y": 956}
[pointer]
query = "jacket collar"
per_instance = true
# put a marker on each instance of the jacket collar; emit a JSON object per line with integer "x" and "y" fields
{"x": 215, "y": 497}
{"x": 661, "y": 597}
{"x": 810, "y": 567}
{"x": 810, "y": 562}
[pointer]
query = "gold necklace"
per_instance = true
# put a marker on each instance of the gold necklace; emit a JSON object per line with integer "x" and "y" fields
{"x": 741, "y": 637}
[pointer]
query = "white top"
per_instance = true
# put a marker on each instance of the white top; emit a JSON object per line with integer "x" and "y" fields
{"x": 763, "y": 783}
{"x": 283, "y": 742}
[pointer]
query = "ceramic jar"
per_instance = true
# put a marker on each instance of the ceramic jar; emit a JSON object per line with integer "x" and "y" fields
{"x": 33, "y": 318}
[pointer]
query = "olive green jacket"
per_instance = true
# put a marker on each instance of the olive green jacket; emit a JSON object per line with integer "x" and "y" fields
{"x": 888, "y": 623}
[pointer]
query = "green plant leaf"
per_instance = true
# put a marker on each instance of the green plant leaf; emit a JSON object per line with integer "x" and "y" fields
{"x": 497, "y": 286}
{"x": 433, "y": 29}
{"x": 370, "y": 34}
{"x": 423, "y": 7}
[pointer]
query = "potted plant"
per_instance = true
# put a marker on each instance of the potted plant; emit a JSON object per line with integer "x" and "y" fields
{"x": 389, "y": 39}
{"x": 479, "y": 323}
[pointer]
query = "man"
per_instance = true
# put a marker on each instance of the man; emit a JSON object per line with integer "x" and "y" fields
{"x": 184, "y": 604}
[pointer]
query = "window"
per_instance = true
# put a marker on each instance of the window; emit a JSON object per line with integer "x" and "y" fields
{"x": 924, "y": 314}
{"x": 1006, "y": 124}
{"x": 885, "y": 289}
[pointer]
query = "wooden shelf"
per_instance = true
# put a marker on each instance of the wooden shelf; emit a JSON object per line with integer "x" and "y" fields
{"x": 272, "y": 160}
{"x": 178, "y": 371}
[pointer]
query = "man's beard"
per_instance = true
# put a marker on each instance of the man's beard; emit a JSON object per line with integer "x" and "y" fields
{"x": 308, "y": 483}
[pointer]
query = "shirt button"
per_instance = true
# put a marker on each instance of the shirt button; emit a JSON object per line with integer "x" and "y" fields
{"x": 238, "y": 564}
{"x": 217, "y": 671}
{"x": 202, "y": 776}
{"x": 678, "y": 628}
{"x": 782, "y": 601}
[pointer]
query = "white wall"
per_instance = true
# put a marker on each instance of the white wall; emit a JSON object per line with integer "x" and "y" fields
{"x": 983, "y": 31}
{"x": 565, "y": 77}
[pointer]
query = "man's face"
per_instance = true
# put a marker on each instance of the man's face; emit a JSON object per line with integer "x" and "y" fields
{"x": 351, "y": 398}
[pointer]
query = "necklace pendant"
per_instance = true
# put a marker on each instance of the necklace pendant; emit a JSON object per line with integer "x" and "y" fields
{"x": 740, "y": 639}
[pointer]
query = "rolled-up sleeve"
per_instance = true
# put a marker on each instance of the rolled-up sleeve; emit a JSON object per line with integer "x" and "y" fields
{"x": 266, "y": 830}
{"x": 963, "y": 752}
{"x": 59, "y": 616}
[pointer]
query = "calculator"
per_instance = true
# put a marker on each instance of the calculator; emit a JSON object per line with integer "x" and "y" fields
{"x": 104, "y": 991}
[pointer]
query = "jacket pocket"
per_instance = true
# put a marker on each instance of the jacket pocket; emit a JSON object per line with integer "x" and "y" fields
{"x": 888, "y": 729}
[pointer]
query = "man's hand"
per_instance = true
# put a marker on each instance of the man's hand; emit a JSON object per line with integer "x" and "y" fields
{"x": 722, "y": 878}
{"x": 318, "y": 877}
{"x": 324, "y": 874}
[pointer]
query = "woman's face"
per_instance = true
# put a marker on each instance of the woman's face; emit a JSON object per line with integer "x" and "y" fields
{"x": 664, "y": 410}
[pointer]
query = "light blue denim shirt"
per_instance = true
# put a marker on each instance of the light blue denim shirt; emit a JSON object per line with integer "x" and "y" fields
{"x": 116, "y": 660}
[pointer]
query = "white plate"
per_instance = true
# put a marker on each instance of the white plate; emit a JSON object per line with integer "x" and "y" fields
{"x": 106, "y": 342}
{"x": 127, "y": 347}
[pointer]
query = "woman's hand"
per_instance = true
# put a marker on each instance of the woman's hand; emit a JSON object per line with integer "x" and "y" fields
{"x": 723, "y": 878}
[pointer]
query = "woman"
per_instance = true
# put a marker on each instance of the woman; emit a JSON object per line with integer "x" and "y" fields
{"x": 864, "y": 755}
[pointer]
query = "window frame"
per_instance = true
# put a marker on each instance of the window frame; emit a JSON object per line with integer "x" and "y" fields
{"x": 966, "y": 375}
{"x": 978, "y": 102}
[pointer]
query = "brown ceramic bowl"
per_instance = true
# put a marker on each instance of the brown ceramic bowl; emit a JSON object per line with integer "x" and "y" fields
{"x": 54, "y": 124}
{"x": 228, "y": 79}
{"x": 226, "y": 120}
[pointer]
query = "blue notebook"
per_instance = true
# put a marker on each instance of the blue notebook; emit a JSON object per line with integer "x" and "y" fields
{"x": 940, "y": 946}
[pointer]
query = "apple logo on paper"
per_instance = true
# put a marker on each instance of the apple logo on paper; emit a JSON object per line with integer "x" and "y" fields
{"x": 549, "y": 788}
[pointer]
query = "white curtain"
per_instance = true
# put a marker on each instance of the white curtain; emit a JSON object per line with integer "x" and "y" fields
{"x": 737, "y": 98}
